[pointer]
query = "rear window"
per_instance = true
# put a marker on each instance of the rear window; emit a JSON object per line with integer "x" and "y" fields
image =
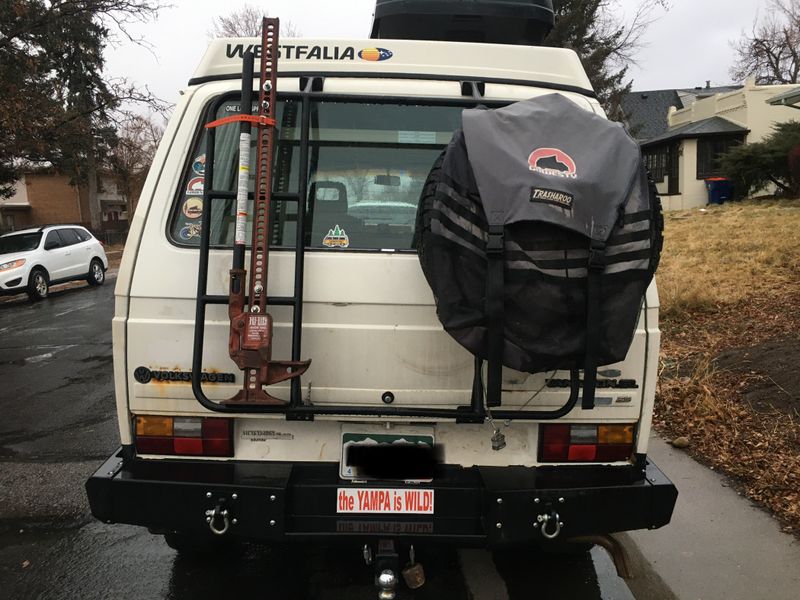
{"x": 20, "y": 242}
{"x": 69, "y": 237}
{"x": 367, "y": 165}
{"x": 83, "y": 235}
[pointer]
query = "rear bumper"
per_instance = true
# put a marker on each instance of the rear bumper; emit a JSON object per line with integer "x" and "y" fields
{"x": 281, "y": 502}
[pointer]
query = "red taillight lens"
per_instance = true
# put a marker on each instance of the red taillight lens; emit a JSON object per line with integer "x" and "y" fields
{"x": 217, "y": 438}
{"x": 554, "y": 452}
{"x": 585, "y": 443}
{"x": 218, "y": 447}
{"x": 555, "y": 434}
{"x": 216, "y": 428}
{"x": 582, "y": 453}
{"x": 154, "y": 445}
{"x": 188, "y": 446}
{"x": 184, "y": 436}
{"x": 614, "y": 453}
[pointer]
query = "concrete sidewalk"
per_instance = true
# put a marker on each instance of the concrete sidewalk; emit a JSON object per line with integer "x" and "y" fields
{"x": 719, "y": 546}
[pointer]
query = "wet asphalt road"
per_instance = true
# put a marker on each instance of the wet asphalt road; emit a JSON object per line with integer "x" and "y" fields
{"x": 59, "y": 422}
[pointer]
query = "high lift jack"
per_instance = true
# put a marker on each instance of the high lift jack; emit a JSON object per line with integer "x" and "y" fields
{"x": 250, "y": 343}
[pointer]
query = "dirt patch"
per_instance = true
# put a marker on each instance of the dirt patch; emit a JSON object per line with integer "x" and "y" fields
{"x": 114, "y": 255}
{"x": 772, "y": 373}
{"x": 730, "y": 364}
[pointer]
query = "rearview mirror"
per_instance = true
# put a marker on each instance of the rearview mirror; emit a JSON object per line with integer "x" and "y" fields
{"x": 51, "y": 245}
{"x": 387, "y": 180}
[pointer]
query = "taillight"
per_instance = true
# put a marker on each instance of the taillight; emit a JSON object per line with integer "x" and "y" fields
{"x": 184, "y": 436}
{"x": 585, "y": 443}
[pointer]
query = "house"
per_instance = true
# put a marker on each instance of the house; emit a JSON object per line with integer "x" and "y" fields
{"x": 706, "y": 126}
{"x": 647, "y": 112}
{"x": 44, "y": 197}
{"x": 112, "y": 203}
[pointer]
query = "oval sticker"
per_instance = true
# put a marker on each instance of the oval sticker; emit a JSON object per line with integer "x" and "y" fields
{"x": 375, "y": 54}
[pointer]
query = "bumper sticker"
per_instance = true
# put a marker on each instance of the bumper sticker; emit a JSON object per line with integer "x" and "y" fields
{"x": 385, "y": 501}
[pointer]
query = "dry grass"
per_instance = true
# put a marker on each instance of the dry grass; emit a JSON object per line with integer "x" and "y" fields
{"x": 727, "y": 254}
{"x": 730, "y": 278}
{"x": 761, "y": 451}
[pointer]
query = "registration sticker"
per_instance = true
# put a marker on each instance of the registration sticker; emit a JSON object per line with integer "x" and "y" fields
{"x": 385, "y": 501}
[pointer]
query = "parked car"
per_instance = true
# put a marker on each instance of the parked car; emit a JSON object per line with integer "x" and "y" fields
{"x": 34, "y": 259}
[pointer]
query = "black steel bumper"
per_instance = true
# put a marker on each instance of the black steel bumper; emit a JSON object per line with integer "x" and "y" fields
{"x": 281, "y": 502}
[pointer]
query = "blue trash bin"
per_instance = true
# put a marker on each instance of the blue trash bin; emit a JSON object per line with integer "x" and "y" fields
{"x": 720, "y": 190}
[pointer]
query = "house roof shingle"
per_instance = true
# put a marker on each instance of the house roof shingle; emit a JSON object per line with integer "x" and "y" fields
{"x": 647, "y": 112}
{"x": 706, "y": 127}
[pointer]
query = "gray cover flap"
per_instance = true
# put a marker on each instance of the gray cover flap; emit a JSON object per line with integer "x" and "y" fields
{"x": 546, "y": 159}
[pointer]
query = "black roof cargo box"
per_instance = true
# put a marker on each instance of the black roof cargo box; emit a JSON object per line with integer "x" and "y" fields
{"x": 524, "y": 22}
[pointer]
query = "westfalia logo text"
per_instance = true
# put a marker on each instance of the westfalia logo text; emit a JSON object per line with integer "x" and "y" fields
{"x": 292, "y": 52}
{"x": 385, "y": 501}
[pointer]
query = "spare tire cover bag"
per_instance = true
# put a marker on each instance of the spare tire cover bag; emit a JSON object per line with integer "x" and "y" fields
{"x": 556, "y": 177}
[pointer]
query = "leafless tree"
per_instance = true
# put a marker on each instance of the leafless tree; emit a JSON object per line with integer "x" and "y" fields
{"x": 52, "y": 65}
{"x": 626, "y": 37}
{"x": 246, "y": 22}
{"x": 38, "y": 16}
{"x": 607, "y": 41}
{"x": 130, "y": 159}
{"x": 771, "y": 51}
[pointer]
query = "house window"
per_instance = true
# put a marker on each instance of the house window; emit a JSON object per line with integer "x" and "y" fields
{"x": 709, "y": 152}
{"x": 656, "y": 161}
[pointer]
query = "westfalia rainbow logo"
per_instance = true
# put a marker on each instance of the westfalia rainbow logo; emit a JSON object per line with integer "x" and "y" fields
{"x": 375, "y": 54}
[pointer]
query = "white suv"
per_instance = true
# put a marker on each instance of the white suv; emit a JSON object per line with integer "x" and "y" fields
{"x": 34, "y": 259}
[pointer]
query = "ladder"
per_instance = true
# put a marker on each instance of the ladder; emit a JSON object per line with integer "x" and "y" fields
{"x": 250, "y": 339}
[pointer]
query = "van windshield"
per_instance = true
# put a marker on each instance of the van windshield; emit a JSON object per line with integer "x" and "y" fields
{"x": 21, "y": 242}
{"x": 367, "y": 165}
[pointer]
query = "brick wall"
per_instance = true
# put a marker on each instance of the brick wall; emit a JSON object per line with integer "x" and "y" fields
{"x": 53, "y": 200}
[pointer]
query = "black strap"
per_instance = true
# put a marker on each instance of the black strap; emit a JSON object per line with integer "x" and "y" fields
{"x": 495, "y": 256}
{"x": 597, "y": 265}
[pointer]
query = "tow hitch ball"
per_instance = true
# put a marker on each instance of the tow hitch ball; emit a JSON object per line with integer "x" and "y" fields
{"x": 386, "y": 562}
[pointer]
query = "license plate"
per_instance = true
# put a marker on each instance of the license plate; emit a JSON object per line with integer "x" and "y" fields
{"x": 376, "y": 443}
{"x": 372, "y": 501}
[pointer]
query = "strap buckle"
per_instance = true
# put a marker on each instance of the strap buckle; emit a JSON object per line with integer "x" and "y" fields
{"x": 495, "y": 243}
{"x": 597, "y": 256}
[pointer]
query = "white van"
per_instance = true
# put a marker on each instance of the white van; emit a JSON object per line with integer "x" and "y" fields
{"x": 355, "y": 119}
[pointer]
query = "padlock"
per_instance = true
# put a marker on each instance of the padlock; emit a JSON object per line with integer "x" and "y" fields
{"x": 413, "y": 574}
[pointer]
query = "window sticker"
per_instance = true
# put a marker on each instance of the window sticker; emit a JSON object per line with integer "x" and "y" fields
{"x": 190, "y": 231}
{"x": 193, "y": 208}
{"x": 336, "y": 238}
{"x": 199, "y": 165}
{"x": 195, "y": 186}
